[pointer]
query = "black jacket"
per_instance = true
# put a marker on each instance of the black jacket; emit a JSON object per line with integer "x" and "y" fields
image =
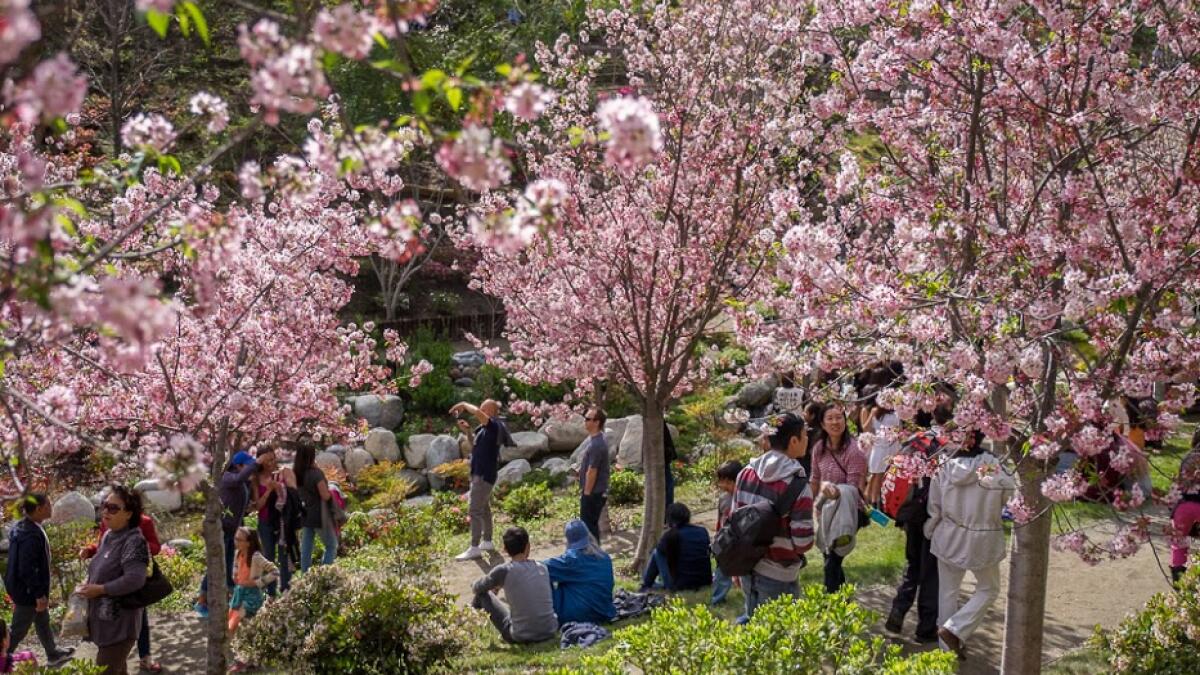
{"x": 28, "y": 575}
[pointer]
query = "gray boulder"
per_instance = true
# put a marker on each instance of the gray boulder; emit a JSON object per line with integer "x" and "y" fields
{"x": 757, "y": 394}
{"x": 328, "y": 461}
{"x": 415, "y": 451}
{"x": 181, "y": 544}
{"x": 339, "y": 450}
{"x": 417, "y": 502}
{"x": 163, "y": 500}
{"x": 358, "y": 459}
{"x": 381, "y": 444}
{"x": 147, "y": 485}
{"x": 464, "y": 382}
{"x": 557, "y": 466}
{"x": 529, "y": 445}
{"x": 565, "y": 435}
{"x": 73, "y": 507}
{"x": 385, "y": 411}
{"x": 614, "y": 433}
{"x": 513, "y": 472}
{"x": 629, "y": 455}
{"x": 471, "y": 359}
{"x": 442, "y": 449}
{"x": 417, "y": 479}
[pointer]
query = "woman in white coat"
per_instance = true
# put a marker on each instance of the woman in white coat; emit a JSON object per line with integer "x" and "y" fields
{"x": 966, "y": 498}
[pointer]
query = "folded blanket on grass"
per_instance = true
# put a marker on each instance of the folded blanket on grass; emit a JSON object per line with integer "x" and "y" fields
{"x": 580, "y": 634}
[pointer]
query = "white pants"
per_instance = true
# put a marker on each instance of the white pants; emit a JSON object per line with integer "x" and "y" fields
{"x": 962, "y": 621}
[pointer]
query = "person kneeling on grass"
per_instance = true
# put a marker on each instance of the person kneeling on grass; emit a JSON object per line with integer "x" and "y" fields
{"x": 582, "y": 579}
{"x": 681, "y": 557}
{"x": 528, "y": 616}
{"x": 252, "y": 573}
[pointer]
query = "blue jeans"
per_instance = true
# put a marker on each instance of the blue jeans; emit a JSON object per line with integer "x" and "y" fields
{"x": 656, "y": 568}
{"x": 307, "y": 540}
{"x": 229, "y": 550}
{"x": 721, "y": 586}
{"x": 276, "y": 552}
{"x": 760, "y": 590}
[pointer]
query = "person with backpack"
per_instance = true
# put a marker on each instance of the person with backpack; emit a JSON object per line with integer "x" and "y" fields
{"x": 233, "y": 488}
{"x": 771, "y": 525}
{"x": 485, "y": 466}
{"x": 966, "y": 498}
{"x": 727, "y": 475}
{"x": 837, "y": 461}
{"x": 316, "y": 497}
{"x": 27, "y": 577}
{"x": 920, "y": 581}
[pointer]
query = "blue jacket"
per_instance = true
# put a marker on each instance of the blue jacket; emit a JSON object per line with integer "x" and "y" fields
{"x": 583, "y": 587}
{"x": 687, "y": 552}
{"x": 28, "y": 575}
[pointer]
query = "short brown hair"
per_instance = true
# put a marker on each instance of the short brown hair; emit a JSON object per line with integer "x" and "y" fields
{"x": 598, "y": 413}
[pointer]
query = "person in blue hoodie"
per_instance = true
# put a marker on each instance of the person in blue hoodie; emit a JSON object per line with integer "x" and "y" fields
{"x": 27, "y": 578}
{"x": 582, "y": 579}
{"x": 681, "y": 557}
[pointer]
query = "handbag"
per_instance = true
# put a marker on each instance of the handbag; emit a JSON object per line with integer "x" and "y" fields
{"x": 156, "y": 588}
{"x": 864, "y": 519}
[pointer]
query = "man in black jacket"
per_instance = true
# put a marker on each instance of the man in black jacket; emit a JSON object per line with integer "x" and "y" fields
{"x": 28, "y": 578}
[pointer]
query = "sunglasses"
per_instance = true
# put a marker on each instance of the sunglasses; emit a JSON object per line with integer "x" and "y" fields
{"x": 109, "y": 507}
{"x": 591, "y": 419}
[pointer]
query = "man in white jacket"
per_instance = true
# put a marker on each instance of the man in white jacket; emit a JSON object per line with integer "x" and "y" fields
{"x": 966, "y": 498}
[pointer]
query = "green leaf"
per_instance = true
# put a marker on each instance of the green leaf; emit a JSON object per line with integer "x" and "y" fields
{"x": 158, "y": 21}
{"x": 432, "y": 79}
{"x": 169, "y": 164}
{"x": 577, "y": 136}
{"x": 421, "y": 102}
{"x": 380, "y": 40}
{"x": 185, "y": 25}
{"x": 504, "y": 69}
{"x": 454, "y": 97}
{"x": 462, "y": 67}
{"x": 197, "y": 18}
{"x": 390, "y": 64}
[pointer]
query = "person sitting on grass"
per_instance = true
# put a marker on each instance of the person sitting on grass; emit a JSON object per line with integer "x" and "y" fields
{"x": 582, "y": 579}
{"x": 528, "y": 616}
{"x": 682, "y": 555}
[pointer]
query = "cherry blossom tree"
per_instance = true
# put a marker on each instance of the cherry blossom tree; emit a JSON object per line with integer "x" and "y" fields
{"x": 1015, "y": 212}
{"x": 654, "y": 201}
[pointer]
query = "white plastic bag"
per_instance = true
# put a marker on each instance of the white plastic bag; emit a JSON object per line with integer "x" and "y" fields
{"x": 75, "y": 620}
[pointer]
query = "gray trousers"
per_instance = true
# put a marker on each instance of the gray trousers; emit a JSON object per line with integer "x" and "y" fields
{"x": 22, "y": 617}
{"x": 497, "y": 611}
{"x": 479, "y": 506}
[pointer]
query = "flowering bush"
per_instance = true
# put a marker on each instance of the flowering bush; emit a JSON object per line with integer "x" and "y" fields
{"x": 625, "y": 487}
{"x": 814, "y": 633}
{"x": 457, "y": 474}
{"x": 338, "y": 619}
{"x": 526, "y": 502}
{"x": 1162, "y": 638}
{"x": 383, "y": 486}
{"x": 449, "y": 512}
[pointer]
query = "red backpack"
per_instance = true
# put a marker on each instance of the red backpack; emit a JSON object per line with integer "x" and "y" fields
{"x": 902, "y": 493}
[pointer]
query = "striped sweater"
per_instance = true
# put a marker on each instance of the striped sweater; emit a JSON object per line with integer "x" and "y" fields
{"x": 764, "y": 480}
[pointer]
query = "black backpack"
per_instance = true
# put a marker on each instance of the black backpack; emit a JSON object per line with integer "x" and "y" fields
{"x": 747, "y": 534}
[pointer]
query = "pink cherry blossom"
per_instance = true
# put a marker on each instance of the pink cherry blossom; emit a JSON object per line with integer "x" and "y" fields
{"x": 18, "y": 29}
{"x": 475, "y": 159}
{"x": 346, "y": 31}
{"x": 527, "y": 101}
{"x": 163, "y": 6}
{"x": 212, "y": 110}
{"x": 150, "y": 131}
{"x": 633, "y": 130}
{"x": 54, "y": 89}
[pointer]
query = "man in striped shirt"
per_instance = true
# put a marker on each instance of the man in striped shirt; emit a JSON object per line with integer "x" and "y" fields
{"x": 765, "y": 479}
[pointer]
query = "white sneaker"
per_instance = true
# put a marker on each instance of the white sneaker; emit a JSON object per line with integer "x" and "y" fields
{"x": 472, "y": 553}
{"x": 486, "y": 546}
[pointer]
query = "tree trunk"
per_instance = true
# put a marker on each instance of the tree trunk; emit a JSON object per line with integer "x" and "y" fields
{"x": 214, "y": 564}
{"x": 654, "y": 511}
{"x": 1027, "y": 574}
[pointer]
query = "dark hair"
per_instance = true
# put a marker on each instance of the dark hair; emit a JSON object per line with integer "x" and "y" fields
{"x": 305, "y": 456}
{"x": 729, "y": 470}
{"x": 1196, "y": 438}
{"x": 678, "y": 515}
{"x": 516, "y": 540}
{"x": 787, "y": 427}
{"x": 943, "y": 413}
{"x": 787, "y": 381}
{"x": 31, "y": 502}
{"x": 3, "y": 630}
{"x": 870, "y": 395}
{"x": 815, "y": 410}
{"x": 845, "y": 441}
{"x": 132, "y": 500}
{"x": 599, "y": 414}
{"x": 252, "y": 539}
{"x": 923, "y": 419}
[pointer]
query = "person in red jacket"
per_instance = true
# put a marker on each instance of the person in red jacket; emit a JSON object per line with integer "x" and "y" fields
{"x": 143, "y": 643}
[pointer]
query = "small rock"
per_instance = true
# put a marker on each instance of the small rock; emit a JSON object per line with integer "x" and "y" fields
{"x": 415, "y": 451}
{"x": 417, "y": 502}
{"x": 530, "y": 445}
{"x": 464, "y": 382}
{"x": 468, "y": 359}
{"x": 556, "y": 466}
{"x": 381, "y": 444}
{"x": 328, "y": 461}
{"x": 417, "y": 479}
{"x": 181, "y": 544}
{"x": 163, "y": 500}
{"x": 358, "y": 459}
{"x": 441, "y": 450}
{"x": 513, "y": 472}
{"x": 147, "y": 485}
{"x": 73, "y": 507}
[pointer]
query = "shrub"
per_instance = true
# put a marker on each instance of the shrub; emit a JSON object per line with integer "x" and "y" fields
{"x": 377, "y": 477}
{"x": 625, "y": 487}
{"x": 183, "y": 569}
{"x": 527, "y": 502}
{"x": 75, "y": 666}
{"x": 814, "y": 633}
{"x": 66, "y": 568}
{"x": 457, "y": 474}
{"x": 349, "y": 621}
{"x": 449, "y": 512}
{"x": 1162, "y": 638}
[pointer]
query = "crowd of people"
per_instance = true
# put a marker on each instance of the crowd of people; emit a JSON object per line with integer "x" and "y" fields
{"x": 813, "y": 486}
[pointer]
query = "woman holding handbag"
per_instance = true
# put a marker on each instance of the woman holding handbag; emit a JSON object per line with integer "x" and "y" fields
{"x": 318, "y": 516}
{"x": 150, "y": 533}
{"x": 837, "y": 461}
{"x": 119, "y": 568}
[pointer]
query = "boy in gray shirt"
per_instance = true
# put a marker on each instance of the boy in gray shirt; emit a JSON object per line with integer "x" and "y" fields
{"x": 528, "y": 616}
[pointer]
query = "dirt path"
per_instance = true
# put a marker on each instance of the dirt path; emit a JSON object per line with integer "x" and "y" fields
{"x": 1079, "y": 596}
